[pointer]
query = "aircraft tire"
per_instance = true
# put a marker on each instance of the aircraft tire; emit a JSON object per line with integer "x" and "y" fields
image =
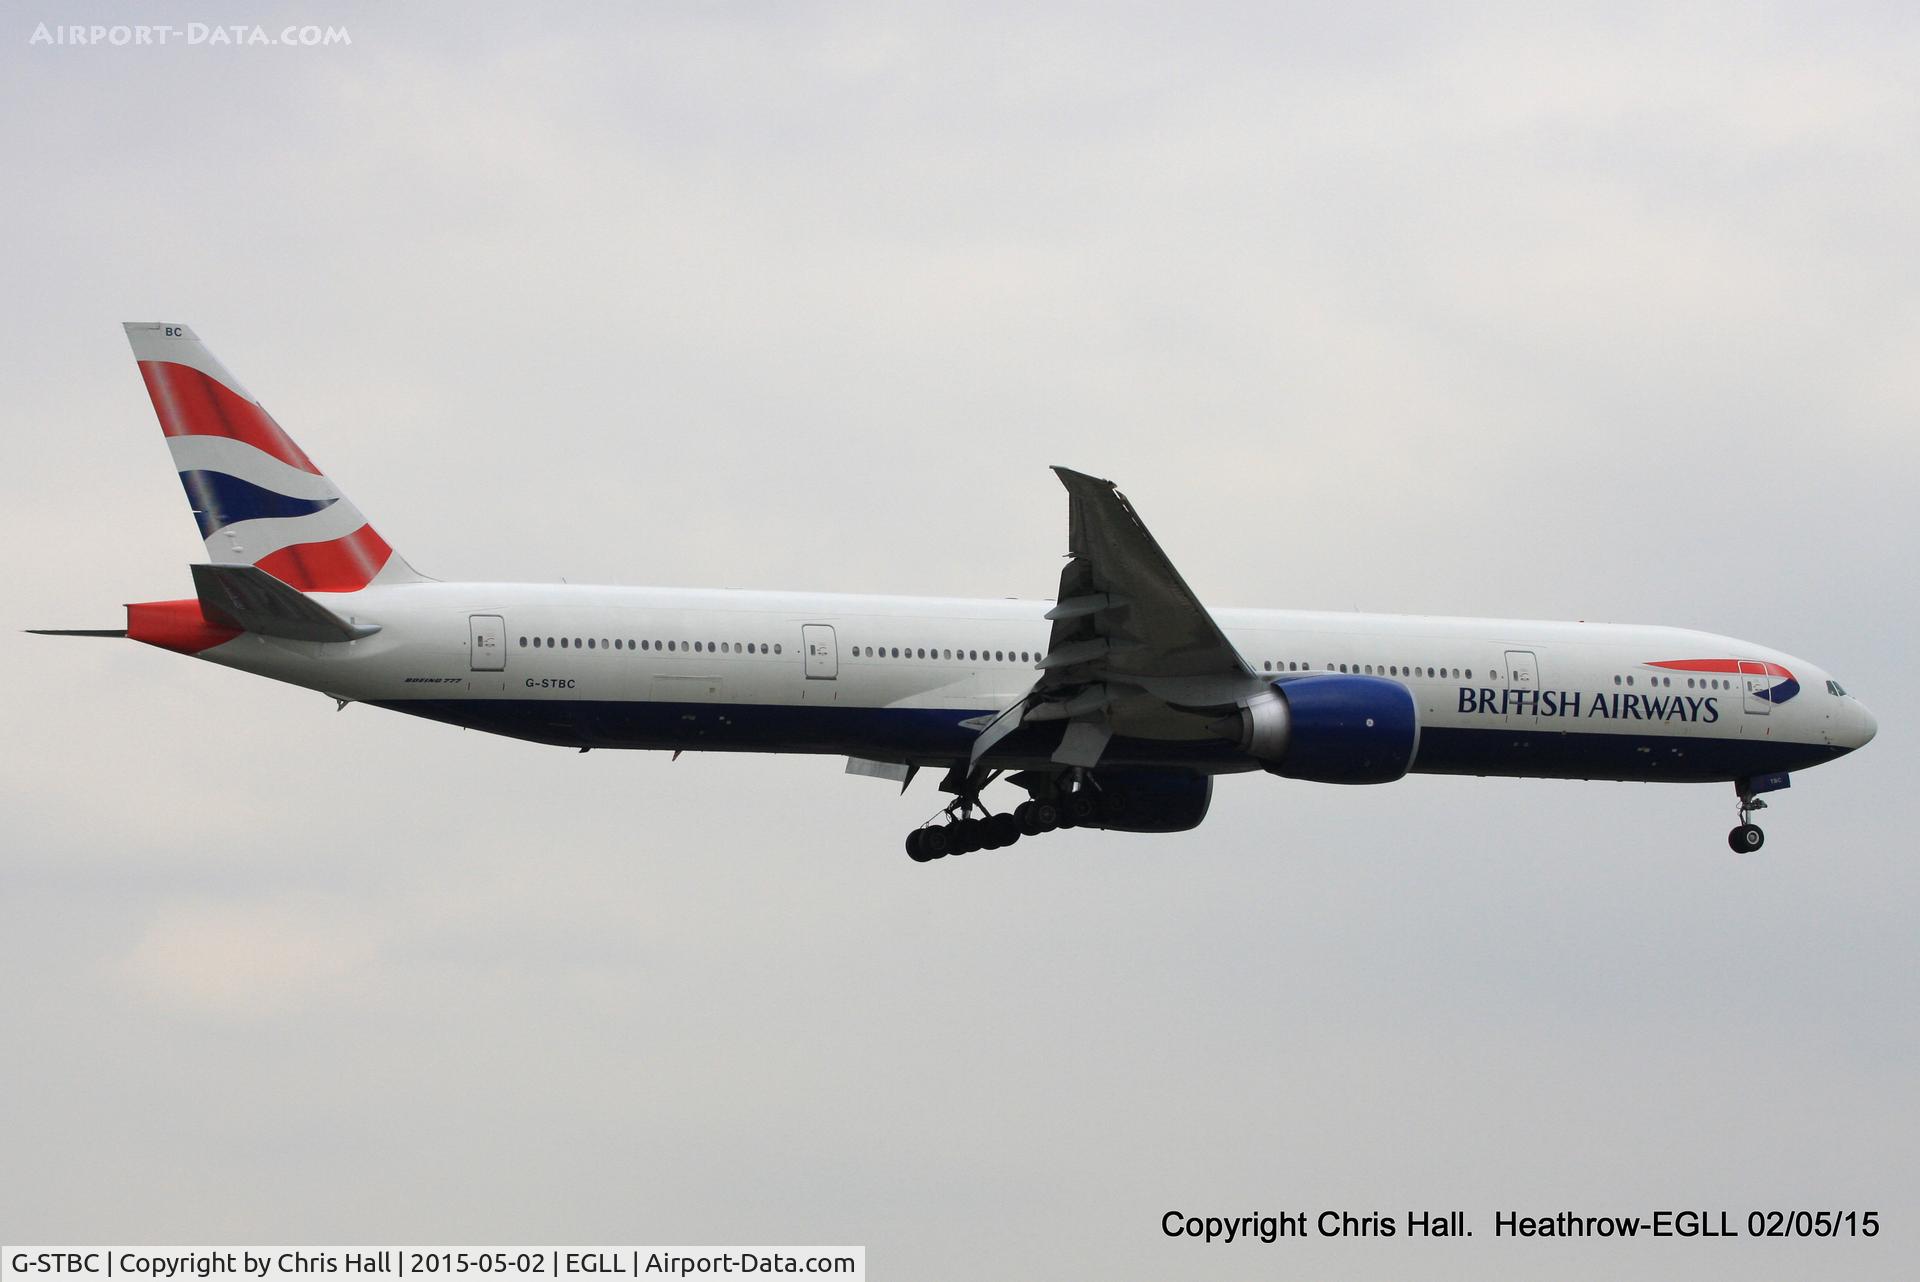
{"x": 1746, "y": 839}
{"x": 916, "y": 845}
{"x": 935, "y": 843}
{"x": 1046, "y": 815}
{"x": 1005, "y": 828}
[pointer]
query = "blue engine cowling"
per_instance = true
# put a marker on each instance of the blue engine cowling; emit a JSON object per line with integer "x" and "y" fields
{"x": 1333, "y": 729}
{"x": 1141, "y": 799}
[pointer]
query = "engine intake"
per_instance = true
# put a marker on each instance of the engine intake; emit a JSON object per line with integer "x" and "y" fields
{"x": 1330, "y": 729}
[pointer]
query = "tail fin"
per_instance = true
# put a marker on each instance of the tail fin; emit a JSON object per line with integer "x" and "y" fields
{"x": 258, "y": 498}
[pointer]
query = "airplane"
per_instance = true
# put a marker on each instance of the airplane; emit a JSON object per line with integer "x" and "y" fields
{"x": 1112, "y": 706}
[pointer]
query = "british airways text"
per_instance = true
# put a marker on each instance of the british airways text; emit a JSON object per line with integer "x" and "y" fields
{"x": 1615, "y": 706}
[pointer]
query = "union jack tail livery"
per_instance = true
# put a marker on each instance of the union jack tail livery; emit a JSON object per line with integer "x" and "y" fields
{"x": 257, "y": 497}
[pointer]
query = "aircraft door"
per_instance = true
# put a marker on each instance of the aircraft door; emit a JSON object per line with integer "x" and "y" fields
{"x": 1753, "y": 687}
{"x": 1523, "y": 678}
{"x": 823, "y": 654}
{"x": 488, "y": 642}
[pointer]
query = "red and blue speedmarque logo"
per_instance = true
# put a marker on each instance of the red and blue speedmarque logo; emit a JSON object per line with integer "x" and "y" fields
{"x": 1762, "y": 680}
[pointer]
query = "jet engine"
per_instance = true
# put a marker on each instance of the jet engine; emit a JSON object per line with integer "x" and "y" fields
{"x": 1336, "y": 728}
{"x": 1145, "y": 799}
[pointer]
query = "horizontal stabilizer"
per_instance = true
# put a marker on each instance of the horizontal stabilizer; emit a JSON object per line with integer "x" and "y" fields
{"x": 78, "y": 632}
{"x": 248, "y": 598}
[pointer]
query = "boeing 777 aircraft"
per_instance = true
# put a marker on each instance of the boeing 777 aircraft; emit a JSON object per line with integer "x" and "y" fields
{"x": 1112, "y": 706}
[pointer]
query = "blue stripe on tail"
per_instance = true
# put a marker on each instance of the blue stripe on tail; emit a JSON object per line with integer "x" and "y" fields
{"x": 221, "y": 500}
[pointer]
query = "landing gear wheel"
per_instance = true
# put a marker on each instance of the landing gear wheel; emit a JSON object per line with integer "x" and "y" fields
{"x": 1082, "y": 808}
{"x": 1746, "y": 839}
{"x": 1005, "y": 829}
{"x": 1023, "y": 815}
{"x": 916, "y": 845}
{"x": 934, "y": 843}
{"x": 1046, "y": 815}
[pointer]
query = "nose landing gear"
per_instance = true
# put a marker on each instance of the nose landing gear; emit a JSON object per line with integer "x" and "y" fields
{"x": 1747, "y": 837}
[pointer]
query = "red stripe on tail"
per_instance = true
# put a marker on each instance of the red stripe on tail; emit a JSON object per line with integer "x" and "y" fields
{"x": 339, "y": 565}
{"x": 190, "y": 403}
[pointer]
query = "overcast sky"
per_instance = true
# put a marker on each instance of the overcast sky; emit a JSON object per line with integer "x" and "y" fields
{"x": 1609, "y": 316}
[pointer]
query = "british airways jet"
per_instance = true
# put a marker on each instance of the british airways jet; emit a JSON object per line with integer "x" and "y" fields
{"x": 1112, "y": 706}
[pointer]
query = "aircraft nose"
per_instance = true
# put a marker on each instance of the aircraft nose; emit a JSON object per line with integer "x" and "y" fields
{"x": 1860, "y": 727}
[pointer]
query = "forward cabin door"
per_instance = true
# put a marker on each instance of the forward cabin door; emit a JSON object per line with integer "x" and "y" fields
{"x": 488, "y": 637}
{"x": 1523, "y": 678}
{"x": 1753, "y": 686}
{"x": 823, "y": 655}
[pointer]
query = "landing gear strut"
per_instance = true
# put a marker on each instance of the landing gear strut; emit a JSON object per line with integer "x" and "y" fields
{"x": 1747, "y": 837}
{"x": 1056, "y": 804}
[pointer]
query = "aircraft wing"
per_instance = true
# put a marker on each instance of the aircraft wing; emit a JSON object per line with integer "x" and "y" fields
{"x": 1132, "y": 647}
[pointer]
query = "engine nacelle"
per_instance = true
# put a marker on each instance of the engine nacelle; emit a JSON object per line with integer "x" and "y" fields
{"x": 1331, "y": 729}
{"x": 1143, "y": 799}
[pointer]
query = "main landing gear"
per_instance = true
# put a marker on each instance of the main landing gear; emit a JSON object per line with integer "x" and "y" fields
{"x": 1747, "y": 837}
{"x": 964, "y": 832}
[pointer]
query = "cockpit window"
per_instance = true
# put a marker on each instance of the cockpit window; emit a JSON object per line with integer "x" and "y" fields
{"x": 1833, "y": 687}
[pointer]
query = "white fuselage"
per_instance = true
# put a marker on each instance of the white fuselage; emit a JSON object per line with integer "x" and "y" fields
{"x": 908, "y": 678}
